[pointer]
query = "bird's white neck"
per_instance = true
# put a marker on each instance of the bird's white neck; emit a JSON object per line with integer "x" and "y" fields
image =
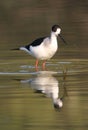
{"x": 53, "y": 35}
{"x": 53, "y": 39}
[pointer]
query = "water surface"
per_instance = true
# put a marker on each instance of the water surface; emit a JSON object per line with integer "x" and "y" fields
{"x": 26, "y": 101}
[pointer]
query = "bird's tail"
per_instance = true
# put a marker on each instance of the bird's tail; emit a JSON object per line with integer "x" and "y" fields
{"x": 15, "y": 49}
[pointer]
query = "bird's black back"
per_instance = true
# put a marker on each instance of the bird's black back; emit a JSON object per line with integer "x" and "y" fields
{"x": 35, "y": 43}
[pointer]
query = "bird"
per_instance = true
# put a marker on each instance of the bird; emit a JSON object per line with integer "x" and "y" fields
{"x": 44, "y": 48}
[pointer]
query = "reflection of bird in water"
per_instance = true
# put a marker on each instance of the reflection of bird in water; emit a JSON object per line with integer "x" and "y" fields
{"x": 45, "y": 83}
{"x": 43, "y": 48}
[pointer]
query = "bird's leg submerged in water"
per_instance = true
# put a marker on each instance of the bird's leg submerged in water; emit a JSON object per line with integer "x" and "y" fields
{"x": 43, "y": 65}
{"x": 36, "y": 64}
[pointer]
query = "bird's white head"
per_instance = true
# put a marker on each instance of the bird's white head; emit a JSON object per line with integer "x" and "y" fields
{"x": 56, "y": 29}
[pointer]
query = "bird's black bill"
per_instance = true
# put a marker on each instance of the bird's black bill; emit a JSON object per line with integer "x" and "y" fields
{"x": 62, "y": 39}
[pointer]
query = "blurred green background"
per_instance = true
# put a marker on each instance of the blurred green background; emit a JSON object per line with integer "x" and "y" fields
{"x": 21, "y": 21}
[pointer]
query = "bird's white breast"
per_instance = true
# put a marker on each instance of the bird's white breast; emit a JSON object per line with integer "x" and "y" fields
{"x": 45, "y": 50}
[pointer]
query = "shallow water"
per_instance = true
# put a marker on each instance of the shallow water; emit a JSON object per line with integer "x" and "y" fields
{"x": 27, "y": 96}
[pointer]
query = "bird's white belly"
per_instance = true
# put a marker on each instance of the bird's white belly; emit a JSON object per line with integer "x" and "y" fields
{"x": 43, "y": 52}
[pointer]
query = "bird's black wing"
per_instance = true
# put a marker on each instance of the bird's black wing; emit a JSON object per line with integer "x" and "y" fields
{"x": 35, "y": 42}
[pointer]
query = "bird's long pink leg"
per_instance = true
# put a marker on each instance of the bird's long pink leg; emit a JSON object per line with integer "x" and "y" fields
{"x": 43, "y": 65}
{"x": 36, "y": 64}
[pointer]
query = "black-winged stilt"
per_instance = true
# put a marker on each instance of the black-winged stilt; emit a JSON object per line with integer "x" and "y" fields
{"x": 44, "y": 48}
